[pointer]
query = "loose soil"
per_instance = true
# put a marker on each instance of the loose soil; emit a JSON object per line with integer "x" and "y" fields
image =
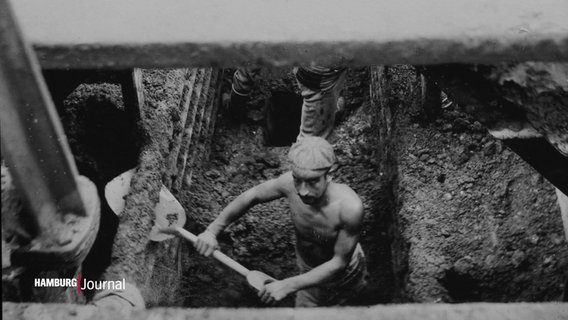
{"x": 482, "y": 224}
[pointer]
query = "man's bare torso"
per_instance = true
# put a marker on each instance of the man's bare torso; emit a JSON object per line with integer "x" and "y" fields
{"x": 317, "y": 226}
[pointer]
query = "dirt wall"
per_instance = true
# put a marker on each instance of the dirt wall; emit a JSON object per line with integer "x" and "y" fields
{"x": 479, "y": 223}
{"x": 176, "y": 121}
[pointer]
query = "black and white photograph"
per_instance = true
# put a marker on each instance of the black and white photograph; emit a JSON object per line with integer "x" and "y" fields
{"x": 284, "y": 159}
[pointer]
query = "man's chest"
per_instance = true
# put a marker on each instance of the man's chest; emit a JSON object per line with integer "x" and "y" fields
{"x": 320, "y": 223}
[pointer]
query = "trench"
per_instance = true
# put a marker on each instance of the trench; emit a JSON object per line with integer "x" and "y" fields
{"x": 245, "y": 154}
{"x": 414, "y": 254}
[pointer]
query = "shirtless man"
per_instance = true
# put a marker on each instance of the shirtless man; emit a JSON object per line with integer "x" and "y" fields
{"x": 327, "y": 217}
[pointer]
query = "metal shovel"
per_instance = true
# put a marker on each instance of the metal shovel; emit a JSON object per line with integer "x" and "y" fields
{"x": 168, "y": 211}
{"x": 170, "y": 217}
{"x": 255, "y": 279}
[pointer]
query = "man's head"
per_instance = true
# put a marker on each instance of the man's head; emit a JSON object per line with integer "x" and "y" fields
{"x": 312, "y": 158}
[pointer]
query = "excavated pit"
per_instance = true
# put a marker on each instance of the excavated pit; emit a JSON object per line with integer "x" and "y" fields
{"x": 451, "y": 215}
{"x": 263, "y": 239}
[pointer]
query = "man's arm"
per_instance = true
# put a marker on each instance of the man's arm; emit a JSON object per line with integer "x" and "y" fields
{"x": 264, "y": 192}
{"x": 347, "y": 239}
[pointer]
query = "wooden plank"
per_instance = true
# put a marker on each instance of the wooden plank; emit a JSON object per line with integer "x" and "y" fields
{"x": 132, "y": 89}
{"x": 33, "y": 142}
{"x": 190, "y": 124}
{"x": 216, "y": 102}
{"x": 212, "y": 101}
{"x": 169, "y": 33}
{"x": 62, "y": 207}
{"x": 416, "y": 311}
{"x": 186, "y": 172}
{"x": 543, "y": 158}
{"x": 563, "y": 204}
{"x": 179, "y": 130}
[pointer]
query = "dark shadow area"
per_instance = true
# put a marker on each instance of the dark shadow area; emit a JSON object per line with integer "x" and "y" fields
{"x": 461, "y": 287}
{"x": 283, "y": 113}
{"x": 105, "y": 141}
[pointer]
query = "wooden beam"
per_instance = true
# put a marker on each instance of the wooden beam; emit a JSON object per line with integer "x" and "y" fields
{"x": 35, "y": 145}
{"x": 62, "y": 206}
{"x": 544, "y": 158}
{"x": 132, "y": 92}
{"x": 416, "y": 311}
{"x": 169, "y": 33}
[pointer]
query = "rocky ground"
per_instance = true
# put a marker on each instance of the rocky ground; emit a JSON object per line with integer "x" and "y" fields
{"x": 482, "y": 224}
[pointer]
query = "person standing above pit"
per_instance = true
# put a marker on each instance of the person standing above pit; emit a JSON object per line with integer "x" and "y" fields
{"x": 319, "y": 86}
{"x": 327, "y": 219}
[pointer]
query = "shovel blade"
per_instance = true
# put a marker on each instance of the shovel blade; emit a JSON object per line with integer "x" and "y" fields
{"x": 257, "y": 279}
{"x": 168, "y": 211}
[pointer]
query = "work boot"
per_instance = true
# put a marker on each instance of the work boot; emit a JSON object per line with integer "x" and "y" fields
{"x": 446, "y": 102}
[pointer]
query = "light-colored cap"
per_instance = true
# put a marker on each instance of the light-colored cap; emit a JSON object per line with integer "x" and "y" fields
{"x": 312, "y": 156}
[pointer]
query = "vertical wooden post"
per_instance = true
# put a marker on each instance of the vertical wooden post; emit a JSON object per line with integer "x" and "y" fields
{"x": 33, "y": 142}
{"x": 62, "y": 206}
{"x": 132, "y": 91}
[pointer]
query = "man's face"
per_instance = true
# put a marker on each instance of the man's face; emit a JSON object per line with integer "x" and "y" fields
{"x": 310, "y": 187}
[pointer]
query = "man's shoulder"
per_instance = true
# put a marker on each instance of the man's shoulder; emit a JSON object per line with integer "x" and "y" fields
{"x": 351, "y": 203}
{"x": 286, "y": 177}
{"x": 285, "y": 181}
{"x": 271, "y": 189}
{"x": 346, "y": 193}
